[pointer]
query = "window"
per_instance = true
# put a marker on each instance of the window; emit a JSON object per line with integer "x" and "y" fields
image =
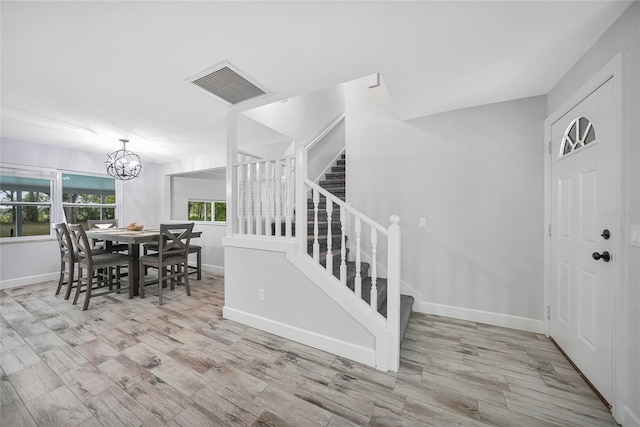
{"x": 88, "y": 198}
{"x": 579, "y": 133}
{"x": 25, "y": 205}
{"x": 207, "y": 210}
{"x": 33, "y": 198}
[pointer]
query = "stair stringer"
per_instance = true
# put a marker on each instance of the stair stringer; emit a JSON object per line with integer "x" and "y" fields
{"x": 378, "y": 355}
{"x": 343, "y": 296}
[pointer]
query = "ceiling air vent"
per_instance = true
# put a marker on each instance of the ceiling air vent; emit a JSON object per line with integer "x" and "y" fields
{"x": 227, "y": 84}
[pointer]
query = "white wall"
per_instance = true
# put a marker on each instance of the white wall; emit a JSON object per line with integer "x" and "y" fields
{"x": 477, "y": 176}
{"x": 623, "y": 37}
{"x": 293, "y": 307}
{"x": 322, "y": 155}
{"x": 184, "y": 188}
{"x": 302, "y": 117}
{"x": 140, "y": 203}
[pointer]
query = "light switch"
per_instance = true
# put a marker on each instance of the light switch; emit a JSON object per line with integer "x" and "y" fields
{"x": 422, "y": 222}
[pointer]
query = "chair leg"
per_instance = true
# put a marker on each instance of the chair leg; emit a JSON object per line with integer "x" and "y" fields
{"x": 70, "y": 280}
{"x": 199, "y": 261}
{"x": 186, "y": 279}
{"x": 78, "y": 286}
{"x": 161, "y": 282}
{"x": 143, "y": 267}
{"x": 61, "y": 279}
{"x": 87, "y": 295}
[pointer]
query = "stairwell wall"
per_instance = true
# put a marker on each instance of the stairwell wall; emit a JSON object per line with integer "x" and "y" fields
{"x": 477, "y": 176}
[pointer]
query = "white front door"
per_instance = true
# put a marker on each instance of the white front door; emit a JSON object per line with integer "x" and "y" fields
{"x": 583, "y": 189}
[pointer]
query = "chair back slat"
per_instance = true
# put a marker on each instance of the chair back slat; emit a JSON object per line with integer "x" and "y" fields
{"x": 174, "y": 238}
{"x": 64, "y": 238}
{"x": 80, "y": 240}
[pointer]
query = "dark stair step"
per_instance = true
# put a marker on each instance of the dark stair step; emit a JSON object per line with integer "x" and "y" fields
{"x": 338, "y": 168}
{"x": 381, "y": 284}
{"x": 406, "y": 308}
{"x": 336, "y": 175}
{"x": 329, "y": 184}
{"x": 341, "y": 162}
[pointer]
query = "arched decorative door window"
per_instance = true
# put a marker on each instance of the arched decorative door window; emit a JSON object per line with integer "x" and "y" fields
{"x": 579, "y": 133}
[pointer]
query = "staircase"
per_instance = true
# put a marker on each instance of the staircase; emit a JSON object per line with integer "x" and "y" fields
{"x": 335, "y": 183}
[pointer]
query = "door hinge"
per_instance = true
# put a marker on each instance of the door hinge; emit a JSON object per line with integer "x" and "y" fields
{"x": 548, "y": 312}
{"x": 549, "y": 230}
{"x": 550, "y": 149}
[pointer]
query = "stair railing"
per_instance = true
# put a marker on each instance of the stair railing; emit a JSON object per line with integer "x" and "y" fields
{"x": 265, "y": 191}
{"x": 339, "y": 211}
{"x": 361, "y": 224}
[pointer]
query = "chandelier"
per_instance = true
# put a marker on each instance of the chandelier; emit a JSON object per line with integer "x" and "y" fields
{"x": 123, "y": 164}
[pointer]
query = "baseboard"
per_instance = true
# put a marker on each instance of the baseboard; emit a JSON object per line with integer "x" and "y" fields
{"x": 209, "y": 268}
{"x": 629, "y": 418}
{"x": 30, "y": 280}
{"x": 489, "y": 318}
{"x": 331, "y": 345}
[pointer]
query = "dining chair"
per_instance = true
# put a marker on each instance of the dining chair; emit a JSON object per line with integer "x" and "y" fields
{"x": 93, "y": 263}
{"x": 67, "y": 258}
{"x": 193, "y": 249}
{"x": 172, "y": 258}
{"x": 106, "y": 223}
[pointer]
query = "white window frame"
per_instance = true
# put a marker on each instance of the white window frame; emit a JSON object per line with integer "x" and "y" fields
{"x": 56, "y": 211}
{"x": 208, "y": 202}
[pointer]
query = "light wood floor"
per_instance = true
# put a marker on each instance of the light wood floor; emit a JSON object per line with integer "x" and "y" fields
{"x": 130, "y": 362}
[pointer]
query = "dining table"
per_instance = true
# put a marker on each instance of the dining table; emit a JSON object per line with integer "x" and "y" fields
{"x": 134, "y": 239}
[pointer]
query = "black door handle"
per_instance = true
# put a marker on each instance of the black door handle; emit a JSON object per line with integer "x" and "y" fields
{"x": 606, "y": 256}
{"x": 606, "y": 234}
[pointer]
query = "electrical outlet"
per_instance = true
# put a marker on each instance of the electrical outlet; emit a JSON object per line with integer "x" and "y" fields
{"x": 422, "y": 222}
{"x": 260, "y": 294}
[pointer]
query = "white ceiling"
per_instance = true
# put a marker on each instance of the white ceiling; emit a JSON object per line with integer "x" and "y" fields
{"x": 84, "y": 74}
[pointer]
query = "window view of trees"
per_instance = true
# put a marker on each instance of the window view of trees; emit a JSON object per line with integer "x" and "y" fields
{"x": 25, "y": 206}
{"x": 27, "y": 202}
{"x": 203, "y": 210}
{"x": 87, "y": 198}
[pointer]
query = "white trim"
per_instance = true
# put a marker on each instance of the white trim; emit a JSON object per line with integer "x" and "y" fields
{"x": 329, "y": 166}
{"x": 29, "y": 280}
{"x": 629, "y": 418}
{"x": 326, "y": 130}
{"x": 611, "y": 71}
{"x": 209, "y": 268}
{"x": 341, "y": 348}
{"x": 487, "y": 317}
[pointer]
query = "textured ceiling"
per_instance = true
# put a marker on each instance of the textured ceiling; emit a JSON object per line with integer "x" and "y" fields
{"x": 84, "y": 74}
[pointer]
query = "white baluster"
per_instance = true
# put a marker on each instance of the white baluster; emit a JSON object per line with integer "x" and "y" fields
{"x": 329, "y": 258}
{"x": 374, "y": 274}
{"x": 358, "y": 279}
{"x": 249, "y": 198}
{"x": 241, "y": 199}
{"x": 278, "y": 189}
{"x": 316, "y": 244}
{"x": 258, "y": 198}
{"x": 289, "y": 196}
{"x": 343, "y": 247}
{"x": 268, "y": 198}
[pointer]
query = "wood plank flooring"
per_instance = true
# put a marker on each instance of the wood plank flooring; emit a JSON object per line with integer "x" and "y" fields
{"x": 132, "y": 363}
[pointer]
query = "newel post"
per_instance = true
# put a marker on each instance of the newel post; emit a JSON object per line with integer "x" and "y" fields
{"x": 232, "y": 176}
{"x": 393, "y": 292}
{"x": 301, "y": 197}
